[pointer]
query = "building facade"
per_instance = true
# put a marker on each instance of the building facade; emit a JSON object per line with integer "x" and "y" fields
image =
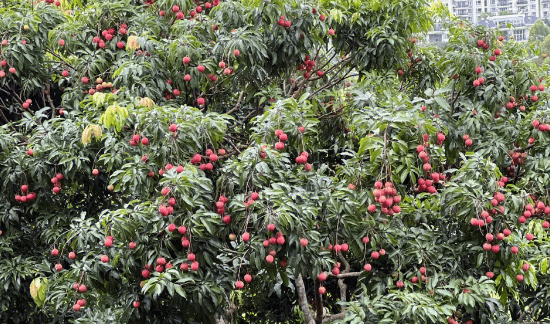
{"x": 512, "y": 17}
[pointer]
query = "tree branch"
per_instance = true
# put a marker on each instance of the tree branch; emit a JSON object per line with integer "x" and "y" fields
{"x": 59, "y": 57}
{"x": 237, "y": 105}
{"x": 50, "y": 101}
{"x": 318, "y": 304}
{"x": 335, "y": 317}
{"x": 346, "y": 275}
{"x": 329, "y": 84}
{"x": 302, "y": 300}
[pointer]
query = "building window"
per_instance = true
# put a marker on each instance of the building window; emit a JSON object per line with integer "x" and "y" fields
{"x": 519, "y": 34}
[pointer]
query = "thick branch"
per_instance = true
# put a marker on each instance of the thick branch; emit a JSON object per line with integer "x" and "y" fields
{"x": 302, "y": 300}
{"x": 343, "y": 287}
{"x": 237, "y": 105}
{"x": 335, "y": 317}
{"x": 318, "y": 304}
{"x": 346, "y": 275}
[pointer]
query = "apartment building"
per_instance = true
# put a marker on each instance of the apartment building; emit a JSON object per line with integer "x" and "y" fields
{"x": 520, "y": 14}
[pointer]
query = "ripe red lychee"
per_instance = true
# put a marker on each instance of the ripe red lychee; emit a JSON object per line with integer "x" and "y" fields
{"x": 519, "y": 278}
{"x": 145, "y": 274}
{"x": 239, "y": 284}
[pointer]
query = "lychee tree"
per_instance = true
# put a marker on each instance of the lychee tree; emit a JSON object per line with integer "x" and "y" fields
{"x": 268, "y": 161}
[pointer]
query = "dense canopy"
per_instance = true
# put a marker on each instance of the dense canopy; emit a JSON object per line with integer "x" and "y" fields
{"x": 269, "y": 161}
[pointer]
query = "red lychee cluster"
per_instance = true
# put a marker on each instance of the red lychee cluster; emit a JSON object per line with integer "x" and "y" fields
{"x": 467, "y": 140}
{"x": 479, "y": 81}
{"x": 489, "y": 238}
{"x": 4, "y": 63}
{"x": 376, "y": 254}
{"x": 427, "y": 185}
{"x": 535, "y": 211}
{"x": 57, "y": 2}
{"x": 344, "y": 247}
{"x": 56, "y": 181}
{"x": 109, "y": 34}
{"x": 302, "y": 159}
{"x": 26, "y": 104}
{"x": 541, "y": 127}
{"x": 171, "y": 201}
{"x": 421, "y": 149}
{"x": 423, "y": 276}
{"x": 220, "y": 208}
{"x": 212, "y": 158}
{"x": 534, "y": 88}
{"x": 194, "y": 265}
{"x": 387, "y": 196}
{"x": 240, "y": 285}
{"x": 136, "y": 139}
{"x": 25, "y": 196}
{"x": 486, "y": 218}
{"x": 308, "y": 65}
{"x": 253, "y": 197}
{"x": 502, "y": 182}
{"x": 168, "y": 167}
{"x": 282, "y": 139}
{"x": 512, "y": 103}
{"x": 79, "y": 304}
{"x": 481, "y": 44}
{"x": 518, "y": 158}
{"x": 283, "y": 22}
{"x": 271, "y": 242}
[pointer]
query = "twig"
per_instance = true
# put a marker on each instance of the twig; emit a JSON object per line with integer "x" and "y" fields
{"x": 6, "y": 119}
{"x": 328, "y": 85}
{"x": 59, "y": 57}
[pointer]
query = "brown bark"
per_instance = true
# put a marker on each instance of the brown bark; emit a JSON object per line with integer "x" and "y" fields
{"x": 302, "y": 300}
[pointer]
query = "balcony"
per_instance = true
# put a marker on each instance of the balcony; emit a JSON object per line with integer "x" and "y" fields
{"x": 504, "y": 3}
{"x": 438, "y": 27}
